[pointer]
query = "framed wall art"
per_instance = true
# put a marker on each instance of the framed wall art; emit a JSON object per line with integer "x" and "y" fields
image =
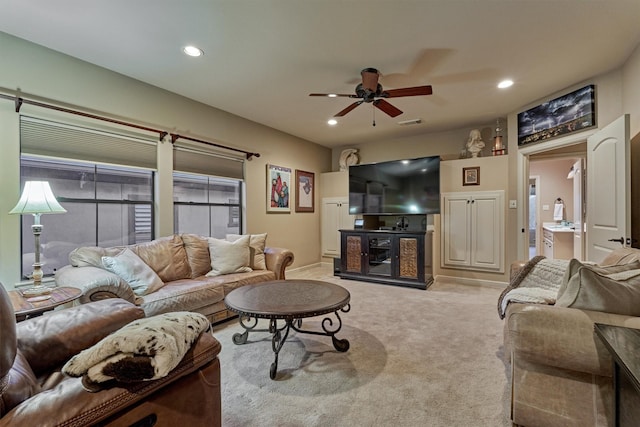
{"x": 278, "y": 185}
{"x": 471, "y": 176}
{"x": 305, "y": 187}
{"x": 572, "y": 112}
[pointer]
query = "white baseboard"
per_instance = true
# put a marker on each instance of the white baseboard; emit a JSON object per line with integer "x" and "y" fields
{"x": 473, "y": 282}
{"x": 307, "y": 267}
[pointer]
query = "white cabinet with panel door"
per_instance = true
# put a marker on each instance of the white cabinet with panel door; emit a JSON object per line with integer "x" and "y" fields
{"x": 335, "y": 216}
{"x": 472, "y": 226}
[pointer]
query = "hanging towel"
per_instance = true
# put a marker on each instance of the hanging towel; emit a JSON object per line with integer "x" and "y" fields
{"x": 558, "y": 213}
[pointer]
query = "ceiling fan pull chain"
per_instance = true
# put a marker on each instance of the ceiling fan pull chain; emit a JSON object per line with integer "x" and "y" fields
{"x": 374, "y": 115}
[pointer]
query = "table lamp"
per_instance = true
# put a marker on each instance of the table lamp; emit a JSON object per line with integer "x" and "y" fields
{"x": 37, "y": 199}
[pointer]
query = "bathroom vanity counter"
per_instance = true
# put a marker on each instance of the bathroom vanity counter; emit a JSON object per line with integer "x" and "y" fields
{"x": 558, "y": 241}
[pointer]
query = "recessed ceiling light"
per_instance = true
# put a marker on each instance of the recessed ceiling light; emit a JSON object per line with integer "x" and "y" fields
{"x": 192, "y": 51}
{"x": 332, "y": 122}
{"x": 505, "y": 84}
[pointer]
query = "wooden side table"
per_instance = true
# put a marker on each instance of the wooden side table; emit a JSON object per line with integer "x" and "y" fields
{"x": 624, "y": 346}
{"x": 25, "y": 309}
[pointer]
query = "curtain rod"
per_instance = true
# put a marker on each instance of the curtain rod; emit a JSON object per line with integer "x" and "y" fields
{"x": 162, "y": 134}
{"x": 175, "y": 136}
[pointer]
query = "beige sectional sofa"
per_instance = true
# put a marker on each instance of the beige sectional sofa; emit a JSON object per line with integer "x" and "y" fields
{"x": 561, "y": 373}
{"x": 174, "y": 273}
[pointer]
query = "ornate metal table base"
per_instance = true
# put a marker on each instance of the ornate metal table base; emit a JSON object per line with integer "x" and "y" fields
{"x": 280, "y": 334}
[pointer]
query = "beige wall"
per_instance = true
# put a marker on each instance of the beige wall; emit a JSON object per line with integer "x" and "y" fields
{"x": 631, "y": 93}
{"x": 493, "y": 176}
{"x": 553, "y": 184}
{"x": 618, "y": 92}
{"x": 41, "y": 73}
{"x": 447, "y": 145}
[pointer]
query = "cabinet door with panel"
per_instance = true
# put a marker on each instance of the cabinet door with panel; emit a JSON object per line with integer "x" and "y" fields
{"x": 335, "y": 215}
{"x": 354, "y": 257}
{"x": 410, "y": 257}
{"x": 473, "y": 230}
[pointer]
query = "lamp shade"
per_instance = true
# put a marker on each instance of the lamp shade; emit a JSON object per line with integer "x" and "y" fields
{"x": 37, "y": 198}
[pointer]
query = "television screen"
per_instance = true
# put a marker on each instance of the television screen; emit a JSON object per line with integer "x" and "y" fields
{"x": 395, "y": 187}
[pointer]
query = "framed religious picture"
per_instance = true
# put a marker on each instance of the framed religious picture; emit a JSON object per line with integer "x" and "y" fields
{"x": 471, "y": 176}
{"x": 305, "y": 187}
{"x": 278, "y": 185}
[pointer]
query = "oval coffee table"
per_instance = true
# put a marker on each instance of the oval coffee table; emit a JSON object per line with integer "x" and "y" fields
{"x": 291, "y": 301}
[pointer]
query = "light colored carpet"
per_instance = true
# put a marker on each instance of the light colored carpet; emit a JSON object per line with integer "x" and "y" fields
{"x": 417, "y": 358}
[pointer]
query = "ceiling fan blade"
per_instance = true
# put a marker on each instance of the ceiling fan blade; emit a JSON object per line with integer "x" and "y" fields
{"x": 334, "y": 95}
{"x": 349, "y": 108}
{"x": 407, "y": 91}
{"x": 387, "y": 108}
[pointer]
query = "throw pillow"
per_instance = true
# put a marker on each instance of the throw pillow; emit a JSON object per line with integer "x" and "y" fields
{"x": 142, "y": 279}
{"x": 611, "y": 289}
{"x": 257, "y": 243}
{"x": 166, "y": 256}
{"x": 229, "y": 257}
{"x": 197, "y": 248}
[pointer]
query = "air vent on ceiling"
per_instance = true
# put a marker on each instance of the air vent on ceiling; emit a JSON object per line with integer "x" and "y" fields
{"x": 410, "y": 122}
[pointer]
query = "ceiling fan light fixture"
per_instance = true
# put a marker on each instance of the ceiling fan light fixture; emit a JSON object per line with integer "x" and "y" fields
{"x": 333, "y": 95}
{"x": 505, "y": 84}
{"x": 332, "y": 122}
{"x": 192, "y": 51}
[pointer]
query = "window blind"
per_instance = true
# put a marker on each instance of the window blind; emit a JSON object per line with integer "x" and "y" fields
{"x": 206, "y": 162}
{"x": 48, "y": 138}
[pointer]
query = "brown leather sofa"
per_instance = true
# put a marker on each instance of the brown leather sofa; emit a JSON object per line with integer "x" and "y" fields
{"x": 182, "y": 262}
{"x": 561, "y": 373}
{"x": 34, "y": 392}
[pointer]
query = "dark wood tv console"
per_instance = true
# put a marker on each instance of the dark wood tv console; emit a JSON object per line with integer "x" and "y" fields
{"x": 385, "y": 256}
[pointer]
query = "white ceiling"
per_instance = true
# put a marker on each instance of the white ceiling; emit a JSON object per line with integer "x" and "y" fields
{"x": 263, "y": 57}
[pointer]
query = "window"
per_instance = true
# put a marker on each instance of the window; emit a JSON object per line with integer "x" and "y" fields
{"x": 106, "y": 206}
{"x": 207, "y": 205}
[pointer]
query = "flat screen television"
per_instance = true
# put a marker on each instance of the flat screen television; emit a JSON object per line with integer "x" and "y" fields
{"x": 399, "y": 187}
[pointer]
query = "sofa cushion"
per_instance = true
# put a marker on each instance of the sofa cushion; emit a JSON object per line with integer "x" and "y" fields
{"x": 92, "y": 255}
{"x": 621, "y": 256}
{"x": 257, "y": 243}
{"x": 229, "y": 257}
{"x": 166, "y": 256}
{"x": 184, "y": 295}
{"x": 197, "y": 249}
{"x": 608, "y": 289}
{"x": 134, "y": 271}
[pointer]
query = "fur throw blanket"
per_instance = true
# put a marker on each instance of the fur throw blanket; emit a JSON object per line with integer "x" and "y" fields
{"x": 537, "y": 282}
{"x": 145, "y": 349}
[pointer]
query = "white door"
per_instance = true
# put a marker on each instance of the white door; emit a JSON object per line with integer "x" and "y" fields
{"x": 487, "y": 224}
{"x": 578, "y": 189}
{"x": 456, "y": 233}
{"x": 608, "y": 189}
{"x": 335, "y": 215}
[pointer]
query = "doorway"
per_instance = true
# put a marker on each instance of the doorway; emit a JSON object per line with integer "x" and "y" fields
{"x": 533, "y": 216}
{"x": 544, "y": 162}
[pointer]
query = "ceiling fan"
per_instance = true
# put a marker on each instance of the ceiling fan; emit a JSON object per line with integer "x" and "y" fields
{"x": 370, "y": 91}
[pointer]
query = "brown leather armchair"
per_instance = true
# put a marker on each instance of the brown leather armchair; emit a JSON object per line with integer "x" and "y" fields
{"x": 34, "y": 392}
